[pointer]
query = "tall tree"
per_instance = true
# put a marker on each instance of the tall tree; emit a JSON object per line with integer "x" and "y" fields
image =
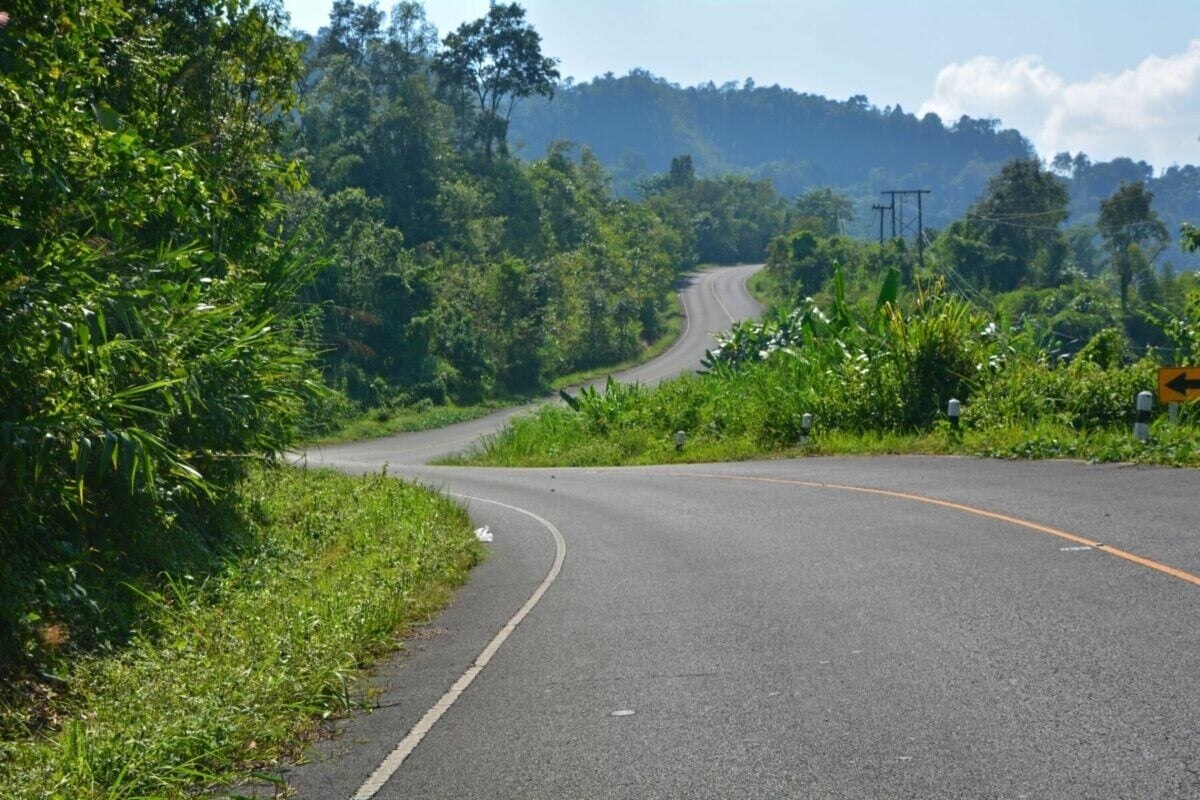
{"x": 352, "y": 30}
{"x": 1130, "y": 227}
{"x": 1018, "y": 217}
{"x": 496, "y": 60}
{"x": 832, "y": 208}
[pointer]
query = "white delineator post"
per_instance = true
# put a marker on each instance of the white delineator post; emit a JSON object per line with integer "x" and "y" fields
{"x": 805, "y": 428}
{"x": 954, "y": 411}
{"x": 1141, "y": 420}
{"x": 680, "y": 436}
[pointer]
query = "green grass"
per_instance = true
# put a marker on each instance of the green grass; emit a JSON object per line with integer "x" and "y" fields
{"x": 227, "y": 671}
{"x": 558, "y": 437}
{"x": 763, "y": 288}
{"x": 377, "y": 423}
{"x": 551, "y": 438}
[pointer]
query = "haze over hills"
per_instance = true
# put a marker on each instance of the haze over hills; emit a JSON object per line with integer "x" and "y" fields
{"x": 635, "y": 124}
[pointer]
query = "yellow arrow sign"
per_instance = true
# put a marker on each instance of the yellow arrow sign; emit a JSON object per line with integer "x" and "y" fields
{"x": 1178, "y": 384}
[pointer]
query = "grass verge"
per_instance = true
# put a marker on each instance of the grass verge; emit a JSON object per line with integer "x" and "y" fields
{"x": 559, "y": 437}
{"x": 377, "y": 423}
{"x": 226, "y": 671}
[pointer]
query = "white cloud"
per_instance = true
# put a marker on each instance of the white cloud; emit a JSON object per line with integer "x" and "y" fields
{"x": 1150, "y": 111}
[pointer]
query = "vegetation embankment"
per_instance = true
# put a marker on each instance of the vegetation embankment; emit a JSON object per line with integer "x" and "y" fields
{"x": 1046, "y": 356}
{"x": 874, "y": 380}
{"x": 226, "y": 669}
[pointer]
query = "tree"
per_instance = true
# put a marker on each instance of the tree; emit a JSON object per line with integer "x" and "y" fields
{"x": 496, "y": 59}
{"x": 1018, "y": 217}
{"x": 352, "y": 30}
{"x": 1189, "y": 237}
{"x": 682, "y": 173}
{"x": 144, "y": 297}
{"x": 1128, "y": 225}
{"x": 833, "y": 208}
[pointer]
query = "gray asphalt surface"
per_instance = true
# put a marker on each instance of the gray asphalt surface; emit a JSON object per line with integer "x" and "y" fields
{"x": 778, "y": 634}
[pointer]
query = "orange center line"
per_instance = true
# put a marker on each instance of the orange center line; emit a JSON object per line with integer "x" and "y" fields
{"x": 1134, "y": 558}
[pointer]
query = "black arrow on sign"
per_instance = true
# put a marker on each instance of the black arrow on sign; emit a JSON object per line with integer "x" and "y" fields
{"x": 1181, "y": 383}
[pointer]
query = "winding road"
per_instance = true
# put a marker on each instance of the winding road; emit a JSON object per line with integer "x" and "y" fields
{"x": 712, "y": 300}
{"x": 900, "y": 627}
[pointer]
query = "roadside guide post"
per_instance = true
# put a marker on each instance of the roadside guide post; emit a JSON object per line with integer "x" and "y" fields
{"x": 805, "y": 428}
{"x": 680, "y": 436}
{"x": 1141, "y": 421}
{"x": 954, "y": 411}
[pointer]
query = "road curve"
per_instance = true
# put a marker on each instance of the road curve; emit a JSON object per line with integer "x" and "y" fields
{"x": 713, "y": 299}
{"x": 899, "y": 627}
{"x": 902, "y": 627}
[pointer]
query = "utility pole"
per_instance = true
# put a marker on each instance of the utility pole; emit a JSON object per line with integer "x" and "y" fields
{"x": 907, "y": 226}
{"x": 921, "y": 227}
{"x": 880, "y": 209}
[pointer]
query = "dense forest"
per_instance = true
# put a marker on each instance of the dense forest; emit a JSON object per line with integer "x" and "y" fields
{"x": 456, "y": 271}
{"x": 1012, "y": 257}
{"x": 637, "y": 123}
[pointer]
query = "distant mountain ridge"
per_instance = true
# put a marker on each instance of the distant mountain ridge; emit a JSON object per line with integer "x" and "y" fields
{"x": 635, "y": 124}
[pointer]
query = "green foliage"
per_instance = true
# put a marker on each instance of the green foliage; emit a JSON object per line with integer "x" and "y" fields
{"x": 724, "y": 220}
{"x": 1190, "y": 237}
{"x": 604, "y": 411}
{"x": 147, "y": 344}
{"x": 877, "y": 377}
{"x": 830, "y": 209}
{"x": 1127, "y": 225}
{"x": 453, "y": 277}
{"x": 803, "y": 263}
{"x": 227, "y": 668}
{"x": 1012, "y": 233}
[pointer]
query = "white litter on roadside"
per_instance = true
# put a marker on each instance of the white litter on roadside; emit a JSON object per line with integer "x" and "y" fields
{"x": 483, "y": 534}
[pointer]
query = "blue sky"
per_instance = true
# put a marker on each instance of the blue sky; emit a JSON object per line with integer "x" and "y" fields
{"x": 1109, "y": 78}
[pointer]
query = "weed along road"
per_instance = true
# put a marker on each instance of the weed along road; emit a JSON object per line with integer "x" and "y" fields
{"x": 897, "y": 627}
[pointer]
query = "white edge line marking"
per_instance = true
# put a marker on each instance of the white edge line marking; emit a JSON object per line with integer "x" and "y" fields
{"x": 389, "y": 765}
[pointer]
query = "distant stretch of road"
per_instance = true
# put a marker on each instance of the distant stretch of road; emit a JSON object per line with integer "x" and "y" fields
{"x": 899, "y": 627}
{"x": 713, "y": 299}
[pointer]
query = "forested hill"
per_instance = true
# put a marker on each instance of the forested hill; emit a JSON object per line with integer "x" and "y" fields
{"x": 636, "y": 123}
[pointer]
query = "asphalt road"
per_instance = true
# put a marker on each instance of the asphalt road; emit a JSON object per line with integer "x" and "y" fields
{"x": 900, "y": 627}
